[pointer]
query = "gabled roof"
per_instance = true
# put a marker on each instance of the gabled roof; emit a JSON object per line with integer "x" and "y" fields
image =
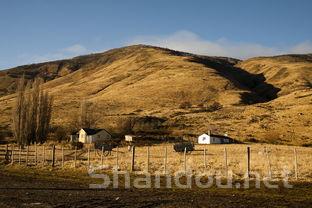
{"x": 93, "y": 131}
{"x": 221, "y": 137}
{"x": 216, "y": 136}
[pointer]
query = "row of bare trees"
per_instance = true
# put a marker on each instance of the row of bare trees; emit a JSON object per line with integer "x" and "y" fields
{"x": 88, "y": 116}
{"x": 31, "y": 112}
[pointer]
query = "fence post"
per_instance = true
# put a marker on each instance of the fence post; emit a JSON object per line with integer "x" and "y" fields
{"x": 132, "y": 158}
{"x": 117, "y": 150}
{"x": 75, "y": 158}
{"x": 88, "y": 156}
{"x": 248, "y": 162}
{"x": 53, "y": 155}
{"x": 185, "y": 160}
{"x": 205, "y": 159}
{"x": 19, "y": 154}
{"x": 102, "y": 156}
{"x": 148, "y": 159}
{"x": 62, "y": 156}
{"x": 95, "y": 154}
{"x": 165, "y": 160}
{"x": 36, "y": 153}
{"x": 226, "y": 162}
{"x": 12, "y": 155}
{"x": 269, "y": 162}
{"x": 296, "y": 163}
{"x": 43, "y": 157}
{"x": 27, "y": 152}
{"x": 7, "y": 153}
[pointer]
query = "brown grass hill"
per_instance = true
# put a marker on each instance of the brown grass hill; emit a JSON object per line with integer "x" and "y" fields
{"x": 290, "y": 73}
{"x": 190, "y": 93}
{"x": 53, "y": 69}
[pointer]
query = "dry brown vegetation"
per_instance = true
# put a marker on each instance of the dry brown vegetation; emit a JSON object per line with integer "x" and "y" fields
{"x": 277, "y": 158}
{"x": 261, "y": 99}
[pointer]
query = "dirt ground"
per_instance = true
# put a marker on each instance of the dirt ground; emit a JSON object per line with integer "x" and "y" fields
{"x": 34, "y": 190}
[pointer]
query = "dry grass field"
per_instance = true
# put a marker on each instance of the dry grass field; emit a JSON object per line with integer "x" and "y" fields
{"x": 279, "y": 158}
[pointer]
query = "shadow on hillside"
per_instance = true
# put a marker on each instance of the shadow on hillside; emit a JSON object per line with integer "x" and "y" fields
{"x": 256, "y": 83}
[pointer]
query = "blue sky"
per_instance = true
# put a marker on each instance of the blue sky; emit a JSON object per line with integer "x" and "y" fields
{"x": 35, "y": 31}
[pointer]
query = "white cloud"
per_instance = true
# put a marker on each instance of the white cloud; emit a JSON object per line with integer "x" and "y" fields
{"x": 190, "y": 42}
{"x": 64, "y": 53}
{"x": 304, "y": 47}
{"x": 75, "y": 49}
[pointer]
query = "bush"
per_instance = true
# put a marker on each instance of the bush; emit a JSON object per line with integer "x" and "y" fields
{"x": 133, "y": 125}
{"x": 307, "y": 145}
{"x": 252, "y": 140}
{"x": 254, "y": 119}
{"x": 214, "y": 107}
{"x": 185, "y": 104}
{"x": 181, "y": 147}
{"x": 126, "y": 125}
{"x": 79, "y": 145}
{"x": 60, "y": 134}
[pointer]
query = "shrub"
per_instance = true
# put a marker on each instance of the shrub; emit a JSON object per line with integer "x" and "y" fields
{"x": 213, "y": 107}
{"x": 60, "y": 134}
{"x": 307, "y": 145}
{"x": 254, "y": 119}
{"x": 79, "y": 145}
{"x": 133, "y": 125}
{"x": 185, "y": 104}
{"x": 252, "y": 140}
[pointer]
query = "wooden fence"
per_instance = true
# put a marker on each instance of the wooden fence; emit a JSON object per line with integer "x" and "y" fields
{"x": 161, "y": 158}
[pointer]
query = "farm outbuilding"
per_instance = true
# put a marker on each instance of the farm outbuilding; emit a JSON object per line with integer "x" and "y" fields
{"x": 133, "y": 138}
{"x": 88, "y": 136}
{"x": 129, "y": 138}
{"x": 214, "y": 139}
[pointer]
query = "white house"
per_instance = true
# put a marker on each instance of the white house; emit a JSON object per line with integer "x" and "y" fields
{"x": 88, "y": 136}
{"x": 214, "y": 139}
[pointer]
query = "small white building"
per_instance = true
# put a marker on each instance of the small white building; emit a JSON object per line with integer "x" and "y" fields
{"x": 129, "y": 138}
{"x": 89, "y": 136}
{"x": 133, "y": 138}
{"x": 214, "y": 139}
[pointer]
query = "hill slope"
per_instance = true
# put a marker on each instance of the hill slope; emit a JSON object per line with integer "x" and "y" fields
{"x": 150, "y": 81}
{"x": 290, "y": 73}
